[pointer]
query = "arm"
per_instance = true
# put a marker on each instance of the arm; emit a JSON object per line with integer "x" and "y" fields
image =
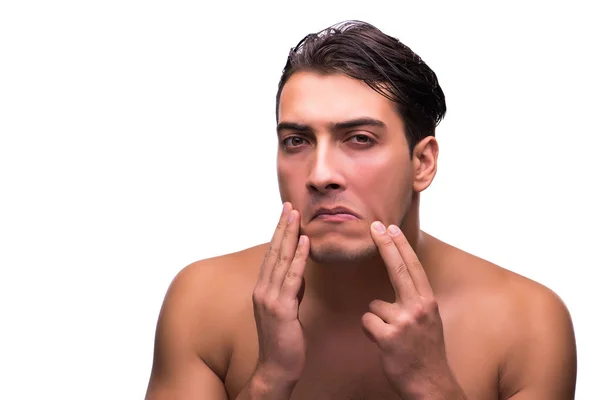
{"x": 197, "y": 318}
{"x": 542, "y": 362}
{"x": 183, "y": 334}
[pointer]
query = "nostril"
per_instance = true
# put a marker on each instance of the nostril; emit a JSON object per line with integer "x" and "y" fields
{"x": 324, "y": 188}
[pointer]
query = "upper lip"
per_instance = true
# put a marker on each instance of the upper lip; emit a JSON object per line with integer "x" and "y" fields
{"x": 334, "y": 210}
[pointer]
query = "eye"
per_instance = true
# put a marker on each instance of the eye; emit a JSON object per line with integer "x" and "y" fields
{"x": 361, "y": 139}
{"x": 293, "y": 141}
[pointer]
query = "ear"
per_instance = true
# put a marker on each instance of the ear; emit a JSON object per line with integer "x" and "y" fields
{"x": 425, "y": 155}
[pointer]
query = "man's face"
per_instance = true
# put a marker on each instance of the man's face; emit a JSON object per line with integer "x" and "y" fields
{"x": 341, "y": 144}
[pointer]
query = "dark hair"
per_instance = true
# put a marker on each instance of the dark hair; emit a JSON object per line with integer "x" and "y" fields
{"x": 361, "y": 51}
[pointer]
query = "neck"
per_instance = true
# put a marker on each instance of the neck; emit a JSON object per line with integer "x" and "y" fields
{"x": 349, "y": 287}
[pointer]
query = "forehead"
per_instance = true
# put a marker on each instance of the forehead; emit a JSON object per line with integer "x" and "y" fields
{"x": 313, "y": 98}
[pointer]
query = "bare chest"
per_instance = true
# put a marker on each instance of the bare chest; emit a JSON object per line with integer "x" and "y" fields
{"x": 343, "y": 364}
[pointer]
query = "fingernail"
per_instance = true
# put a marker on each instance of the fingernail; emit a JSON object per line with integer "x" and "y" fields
{"x": 302, "y": 240}
{"x": 379, "y": 227}
{"x": 394, "y": 230}
{"x": 291, "y": 216}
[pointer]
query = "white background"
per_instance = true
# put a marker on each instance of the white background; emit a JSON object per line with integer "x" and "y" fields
{"x": 138, "y": 137}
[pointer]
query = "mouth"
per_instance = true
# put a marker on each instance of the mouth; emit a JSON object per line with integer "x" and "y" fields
{"x": 336, "y": 214}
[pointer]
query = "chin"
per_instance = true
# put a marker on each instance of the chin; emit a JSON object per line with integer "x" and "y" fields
{"x": 337, "y": 253}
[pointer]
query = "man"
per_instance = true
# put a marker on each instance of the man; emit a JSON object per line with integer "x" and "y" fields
{"x": 350, "y": 299}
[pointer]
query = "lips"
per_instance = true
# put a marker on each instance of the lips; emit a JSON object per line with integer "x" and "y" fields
{"x": 334, "y": 211}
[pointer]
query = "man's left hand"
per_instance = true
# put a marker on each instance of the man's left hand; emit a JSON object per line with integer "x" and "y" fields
{"x": 409, "y": 331}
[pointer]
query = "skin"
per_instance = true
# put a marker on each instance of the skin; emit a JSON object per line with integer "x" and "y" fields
{"x": 338, "y": 310}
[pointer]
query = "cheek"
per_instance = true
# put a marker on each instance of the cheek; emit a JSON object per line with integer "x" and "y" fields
{"x": 385, "y": 187}
{"x": 288, "y": 178}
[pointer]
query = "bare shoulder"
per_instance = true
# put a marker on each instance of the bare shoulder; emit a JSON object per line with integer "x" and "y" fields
{"x": 540, "y": 358}
{"x": 208, "y": 295}
{"x": 196, "y": 325}
{"x": 530, "y": 322}
{"x": 218, "y": 277}
{"x": 484, "y": 279}
{"x": 524, "y": 300}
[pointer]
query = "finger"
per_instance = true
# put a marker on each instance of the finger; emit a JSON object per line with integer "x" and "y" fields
{"x": 289, "y": 243}
{"x": 388, "y": 312}
{"x": 275, "y": 245}
{"x": 395, "y": 264}
{"x": 373, "y": 326}
{"x": 292, "y": 282}
{"x": 414, "y": 266}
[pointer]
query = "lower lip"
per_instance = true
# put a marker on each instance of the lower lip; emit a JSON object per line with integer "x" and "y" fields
{"x": 335, "y": 217}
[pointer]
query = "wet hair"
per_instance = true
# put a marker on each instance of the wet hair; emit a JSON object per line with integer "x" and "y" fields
{"x": 361, "y": 51}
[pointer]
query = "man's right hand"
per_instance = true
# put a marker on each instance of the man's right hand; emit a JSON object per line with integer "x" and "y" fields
{"x": 276, "y": 297}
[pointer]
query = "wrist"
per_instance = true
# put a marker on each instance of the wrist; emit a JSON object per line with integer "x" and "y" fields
{"x": 269, "y": 383}
{"x": 442, "y": 387}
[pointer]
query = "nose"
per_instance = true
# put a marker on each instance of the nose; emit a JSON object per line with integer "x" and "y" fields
{"x": 325, "y": 176}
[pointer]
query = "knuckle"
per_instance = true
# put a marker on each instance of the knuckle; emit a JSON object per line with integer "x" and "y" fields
{"x": 269, "y": 304}
{"x": 388, "y": 337}
{"x": 401, "y": 240}
{"x": 373, "y": 304}
{"x": 430, "y": 305}
{"x": 271, "y": 251}
{"x": 265, "y": 301}
{"x": 291, "y": 276}
{"x": 387, "y": 241}
{"x": 281, "y": 225}
{"x": 364, "y": 320}
{"x": 283, "y": 259}
{"x": 400, "y": 269}
{"x": 376, "y": 305}
{"x": 415, "y": 265}
{"x": 403, "y": 319}
{"x": 419, "y": 311}
{"x": 397, "y": 311}
{"x": 258, "y": 296}
{"x": 422, "y": 311}
{"x": 287, "y": 227}
{"x": 298, "y": 254}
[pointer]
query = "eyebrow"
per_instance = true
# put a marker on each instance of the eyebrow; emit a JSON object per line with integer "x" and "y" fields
{"x": 352, "y": 123}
